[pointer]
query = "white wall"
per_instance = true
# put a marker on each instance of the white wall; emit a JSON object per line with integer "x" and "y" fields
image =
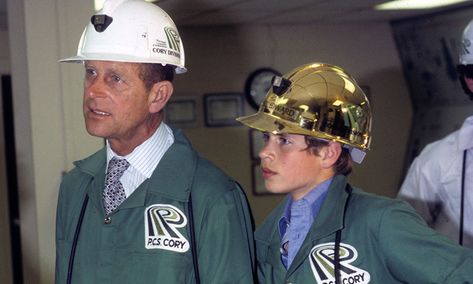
{"x": 4, "y": 53}
{"x": 50, "y": 132}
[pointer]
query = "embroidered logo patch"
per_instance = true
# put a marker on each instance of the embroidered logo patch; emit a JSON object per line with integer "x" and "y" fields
{"x": 322, "y": 259}
{"x": 161, "y": 224}
{"x": 174, "y": 42}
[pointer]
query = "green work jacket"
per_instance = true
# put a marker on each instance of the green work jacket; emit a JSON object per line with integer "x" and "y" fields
{"x": 147, "y": 239}
{"x": 382, "y": 241}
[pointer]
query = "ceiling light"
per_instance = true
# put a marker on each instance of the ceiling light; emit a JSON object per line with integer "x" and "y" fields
{"x": 415, "y": 4}
{"x": 98, "y": 4}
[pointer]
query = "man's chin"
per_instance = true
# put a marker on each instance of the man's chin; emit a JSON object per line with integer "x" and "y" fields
{"x": 96, "y": 133}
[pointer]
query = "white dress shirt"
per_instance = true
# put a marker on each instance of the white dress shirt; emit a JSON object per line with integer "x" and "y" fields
{"x": 433, "y": 184}
{"x": 144, "y": 158}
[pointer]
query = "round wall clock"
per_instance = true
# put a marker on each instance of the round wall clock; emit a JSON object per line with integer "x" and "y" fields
{"x": 258, "y": 84}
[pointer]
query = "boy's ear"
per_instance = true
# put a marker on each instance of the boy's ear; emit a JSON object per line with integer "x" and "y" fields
{"x": 159, "y": 95}
{"x": 331, "y": 153}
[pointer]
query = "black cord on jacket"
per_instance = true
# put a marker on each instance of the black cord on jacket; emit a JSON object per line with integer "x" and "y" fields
{"x": 76, "y": 238}
{"x": 462, "y": 201}
{"x": 193, "y": 242}
{"x": 338, "y": 237}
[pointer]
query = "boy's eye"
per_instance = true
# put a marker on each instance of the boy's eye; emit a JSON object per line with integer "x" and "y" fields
{"x": 265, "y": 137}
{"x": 284, "y": 140}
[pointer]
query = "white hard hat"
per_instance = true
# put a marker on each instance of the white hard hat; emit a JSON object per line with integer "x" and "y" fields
{"x": 466, "y": 54}
{"x": 131, "y": 31}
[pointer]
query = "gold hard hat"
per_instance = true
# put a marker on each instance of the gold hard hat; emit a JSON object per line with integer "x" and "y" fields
{"x": 319, "y": 100}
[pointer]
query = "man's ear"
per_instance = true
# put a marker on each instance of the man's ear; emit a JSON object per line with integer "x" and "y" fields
{"x": 159, "y": 95}
{"x": 330, "y": 154}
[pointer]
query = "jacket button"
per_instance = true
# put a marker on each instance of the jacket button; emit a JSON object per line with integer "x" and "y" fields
{"x": 107, "y": 220}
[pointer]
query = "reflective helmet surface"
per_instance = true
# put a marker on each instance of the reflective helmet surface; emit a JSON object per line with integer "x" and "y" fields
{"x": 131, "y": 31}
{"x": 465, "y": 64}
{"x": 466, "y": 54}
{"x": 318, "y": 100}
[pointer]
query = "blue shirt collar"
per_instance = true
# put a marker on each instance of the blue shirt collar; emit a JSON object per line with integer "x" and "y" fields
{"x": 315, "y": 198}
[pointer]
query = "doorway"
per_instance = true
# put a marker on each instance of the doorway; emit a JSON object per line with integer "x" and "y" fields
{"x": 9, "y": 188}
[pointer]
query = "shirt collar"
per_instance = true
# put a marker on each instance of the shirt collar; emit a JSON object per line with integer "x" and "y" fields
{"x": 146, "y": 156}
{"x": 317, "y": 192}
{"x": 465, "y": 134}
{"x": 314, "y": 198}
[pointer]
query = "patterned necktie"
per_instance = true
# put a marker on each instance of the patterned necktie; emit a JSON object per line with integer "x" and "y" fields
{"x": 114, "y": 194}
{"x": 284, "y": 249}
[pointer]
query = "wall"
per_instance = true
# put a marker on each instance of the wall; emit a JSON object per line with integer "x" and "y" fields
{"x": 38, "y": 31}
{"x": 50, "y": 132}
{"x": 5, "y": 249}
{"x": 4, "y": 53}
{"x": 429, "y": 49}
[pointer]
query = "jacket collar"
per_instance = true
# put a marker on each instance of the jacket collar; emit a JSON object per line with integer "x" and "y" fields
{"x": 331, "y": 213}
{"x": 329, "y": 220}
{"x": 94, "y": 167}
{"x": 172, "y": 177}
{"x": 174, "y": 174}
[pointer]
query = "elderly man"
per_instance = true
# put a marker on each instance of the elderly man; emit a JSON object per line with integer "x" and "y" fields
{"x": 146, "y": 208}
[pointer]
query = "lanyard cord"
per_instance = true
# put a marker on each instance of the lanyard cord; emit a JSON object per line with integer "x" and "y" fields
{"x": 462, "y": 201}
{"x": 193, "y": 242}
{"x": 338, "y": 237}
{"x": 77, "y": 232}
{"x": 76, "y": 237}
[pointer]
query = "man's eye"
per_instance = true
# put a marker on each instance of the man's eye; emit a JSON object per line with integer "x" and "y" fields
{"x": 90, "y": 72}
{"x": 116, "y": 78}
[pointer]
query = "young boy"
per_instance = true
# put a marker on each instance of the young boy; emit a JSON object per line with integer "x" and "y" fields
{"x": 316, "y": 121}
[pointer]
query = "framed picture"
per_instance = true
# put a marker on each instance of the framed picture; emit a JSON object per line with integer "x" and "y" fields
{"x": 258, "y": 181}
{"x": 181, "y": 112}
{"x": 221, "y": 109}
{"x": 256, "y": 143}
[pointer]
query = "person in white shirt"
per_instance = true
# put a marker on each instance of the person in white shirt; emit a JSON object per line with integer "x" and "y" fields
{"x": 439, "y": 183}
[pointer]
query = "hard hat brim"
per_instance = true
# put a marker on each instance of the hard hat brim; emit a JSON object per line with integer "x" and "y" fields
{"x": 263, "y": 122}
{"x": 268, "y": 123}
{"x": 117, "y": 58}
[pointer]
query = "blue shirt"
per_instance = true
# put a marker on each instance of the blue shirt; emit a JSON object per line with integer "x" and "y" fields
{"x": 298, "y": 217}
